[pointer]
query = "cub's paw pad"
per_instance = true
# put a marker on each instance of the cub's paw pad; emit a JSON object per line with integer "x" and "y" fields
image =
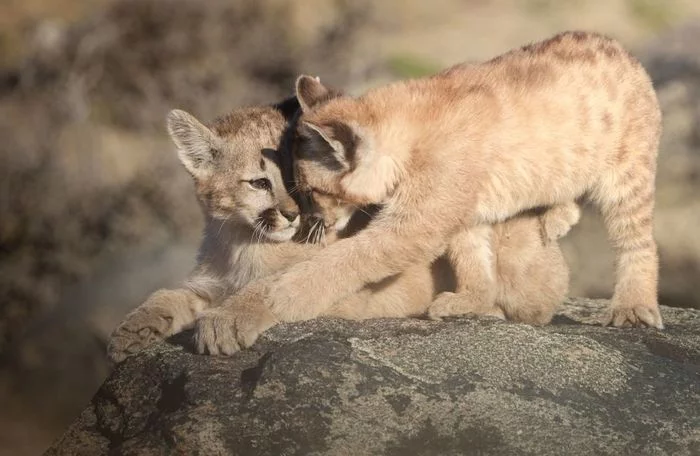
{"x": 141, "y": 328}
{"x": 630, "y": 317}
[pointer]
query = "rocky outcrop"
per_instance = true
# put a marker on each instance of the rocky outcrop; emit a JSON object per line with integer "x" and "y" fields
{"x": 403, "y": 387}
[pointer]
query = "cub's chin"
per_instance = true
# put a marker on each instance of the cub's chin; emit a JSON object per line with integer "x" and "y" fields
{"x": 282, "y": 235}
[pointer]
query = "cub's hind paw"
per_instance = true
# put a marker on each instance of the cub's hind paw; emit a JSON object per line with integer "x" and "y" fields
{"x": 557, "y": 222}
{"x": 638, "y": 316}
{"x": 448, "y": 304}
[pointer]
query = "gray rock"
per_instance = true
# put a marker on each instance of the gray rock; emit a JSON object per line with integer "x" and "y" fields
{"x": 404, "y": 387}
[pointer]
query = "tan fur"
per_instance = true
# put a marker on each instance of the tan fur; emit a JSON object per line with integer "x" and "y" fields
{"x": 572, "y": 116}
{"x": 512, "y": 270}
{"x": 245, "y": 235}
{"x": 236, "y": 248}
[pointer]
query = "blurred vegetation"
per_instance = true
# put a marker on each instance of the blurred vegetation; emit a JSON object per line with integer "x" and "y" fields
{"x": 653, "y": 14}
{"x": 409, "y": 66}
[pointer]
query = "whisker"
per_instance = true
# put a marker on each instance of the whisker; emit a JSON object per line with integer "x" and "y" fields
{"x": 255, "y": 232}
{"x": 322, "y": 237}
{"x": 223, "y": 222}
{"x": 261, "y": 232}
{"x": 311, "y": 232}
{"x": 319, "y": 234}
{"x": 357, "y": 208}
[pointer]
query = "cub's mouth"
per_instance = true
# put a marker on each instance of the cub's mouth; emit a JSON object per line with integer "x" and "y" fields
{"x": 275, "y": 225}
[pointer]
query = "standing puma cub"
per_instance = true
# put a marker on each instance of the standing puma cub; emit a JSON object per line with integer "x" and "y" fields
{"x": 572, "y": 116}
{"x": 515, "y": 269}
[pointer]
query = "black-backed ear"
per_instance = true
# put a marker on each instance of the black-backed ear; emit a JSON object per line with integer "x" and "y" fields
{"x": 310, "y": 92}
{"x": 288, "y": 107}
{"x": 196, "y": 144}
{"x": 337, "y": 139}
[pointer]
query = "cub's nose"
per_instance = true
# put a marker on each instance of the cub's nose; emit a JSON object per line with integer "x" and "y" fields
{"x": 289, "y": 215}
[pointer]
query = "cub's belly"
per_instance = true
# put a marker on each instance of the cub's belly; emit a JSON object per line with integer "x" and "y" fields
{"x": 507, "y": 194}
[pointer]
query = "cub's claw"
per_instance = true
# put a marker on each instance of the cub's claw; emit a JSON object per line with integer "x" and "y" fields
{"x": 639, "y": 316}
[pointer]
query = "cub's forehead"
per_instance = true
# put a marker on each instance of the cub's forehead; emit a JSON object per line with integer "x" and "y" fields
{"x": 252, "y": 135}
{"x": 262, "y": 125}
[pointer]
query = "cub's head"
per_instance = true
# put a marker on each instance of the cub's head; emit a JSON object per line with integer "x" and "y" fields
{"x": 327, "y": 210}
{"x": 236, "y": 169}
{"x": 335, "y": 156}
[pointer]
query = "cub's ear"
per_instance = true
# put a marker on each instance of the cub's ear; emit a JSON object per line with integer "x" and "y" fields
{"x": 196, "y": 144}
{"x": 333, "y": 143}
{"x": 310, "y": 92}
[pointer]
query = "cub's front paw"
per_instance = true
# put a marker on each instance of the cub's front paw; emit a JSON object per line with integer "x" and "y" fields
{"x": 224, "y": 331}
{"x": 141, "y": 328}
{"x": 625, "y": 316}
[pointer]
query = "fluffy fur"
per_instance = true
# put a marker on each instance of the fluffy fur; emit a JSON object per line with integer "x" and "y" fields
{"x": 248, "y": 231}
{"x": 572, "y": 116}
{"x": 512, "y": 270}
{"x": 249, "y": 216}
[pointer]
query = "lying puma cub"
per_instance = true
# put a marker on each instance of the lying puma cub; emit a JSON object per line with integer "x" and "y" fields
{"x": 248, "y": 213}
{"x": 572, "y": 116}
{"x": 250, "y": 220}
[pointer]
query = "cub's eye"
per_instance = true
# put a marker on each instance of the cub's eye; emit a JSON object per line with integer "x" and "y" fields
{"x": 261, "y": 184}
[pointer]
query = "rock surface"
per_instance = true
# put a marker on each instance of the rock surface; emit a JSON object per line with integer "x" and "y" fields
{"x": 403, "y": 387}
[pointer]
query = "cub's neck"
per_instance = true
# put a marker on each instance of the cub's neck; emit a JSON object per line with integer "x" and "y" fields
{"x": 231, "y": 255}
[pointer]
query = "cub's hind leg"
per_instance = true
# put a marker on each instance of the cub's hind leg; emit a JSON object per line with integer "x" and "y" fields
{"x": 533, "y": 275}
{"x": 626, "y": 201}
{"x": 471, "y": 257}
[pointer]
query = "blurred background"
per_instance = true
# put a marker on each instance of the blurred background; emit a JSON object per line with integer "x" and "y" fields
{"x": 96, "y": 213}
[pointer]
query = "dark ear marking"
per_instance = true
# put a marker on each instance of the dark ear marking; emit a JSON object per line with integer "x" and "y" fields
{"x": 339, "y": 144}
{"x": 288, "y": 107}
{"x": 347, "y": 137}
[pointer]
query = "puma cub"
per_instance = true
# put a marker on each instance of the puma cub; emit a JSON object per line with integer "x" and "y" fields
{"x": 573, "y": 116}
{"x": 250, "y": 220}
{"x": 519, "y": 274}
{"x": 249, "y": 217}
